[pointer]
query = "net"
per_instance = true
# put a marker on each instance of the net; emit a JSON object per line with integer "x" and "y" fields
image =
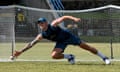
{"x": 7, "y": 40}
{"x": 100, "y": 27}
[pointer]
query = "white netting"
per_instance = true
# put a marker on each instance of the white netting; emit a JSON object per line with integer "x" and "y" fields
{"x": 99, "y": 26}
{"x": 7, "y": 38}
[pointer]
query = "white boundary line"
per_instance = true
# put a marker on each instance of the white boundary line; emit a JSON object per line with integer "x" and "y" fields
{"x": 64, "y": 60}
{"x": 25, "y": 60}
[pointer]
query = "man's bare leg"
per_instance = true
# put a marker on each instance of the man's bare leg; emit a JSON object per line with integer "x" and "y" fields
{"x": 94, "y": 51}
{"x": 57, "y": 54}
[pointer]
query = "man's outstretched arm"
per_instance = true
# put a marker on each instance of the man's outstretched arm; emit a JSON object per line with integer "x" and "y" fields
{"x": 59, "y": 20}
{"x": 27, "y": 47}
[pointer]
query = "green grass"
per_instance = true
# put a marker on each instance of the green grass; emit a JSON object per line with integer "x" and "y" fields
{"x": 42, "y": 51}
{"x": 58, "y": 67}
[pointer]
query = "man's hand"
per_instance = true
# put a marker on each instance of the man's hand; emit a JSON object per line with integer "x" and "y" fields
{"x": 15, "y": 55}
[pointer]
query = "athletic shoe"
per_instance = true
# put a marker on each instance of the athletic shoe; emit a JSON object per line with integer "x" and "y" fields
{"x": 106, "y": 60}
{"x": 71, "y": 60}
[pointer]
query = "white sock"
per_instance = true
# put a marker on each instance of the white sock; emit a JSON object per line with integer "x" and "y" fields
{"x": 100, "y": 55}
{"x": 66, "y": 56}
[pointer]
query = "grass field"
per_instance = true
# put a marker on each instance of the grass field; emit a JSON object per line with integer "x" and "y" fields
{"x": 58, "y": 67}
{"x": 42, "y": 51}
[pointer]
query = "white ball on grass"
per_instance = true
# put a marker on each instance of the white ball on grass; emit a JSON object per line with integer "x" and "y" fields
{"x": 12, "y": 58}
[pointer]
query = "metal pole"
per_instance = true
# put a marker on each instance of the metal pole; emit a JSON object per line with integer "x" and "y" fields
{"x": 111, "y": 46}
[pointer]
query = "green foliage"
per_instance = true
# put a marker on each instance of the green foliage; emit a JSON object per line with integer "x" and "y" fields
{"x": 96, "y": 38}
{"x": 97, "y": 15}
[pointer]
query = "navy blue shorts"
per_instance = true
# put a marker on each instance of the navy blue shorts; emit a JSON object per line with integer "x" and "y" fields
{"x": 72, "y": 40}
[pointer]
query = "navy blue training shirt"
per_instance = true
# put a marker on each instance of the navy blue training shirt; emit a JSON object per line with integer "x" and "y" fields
{"x": 55, "y": 33}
